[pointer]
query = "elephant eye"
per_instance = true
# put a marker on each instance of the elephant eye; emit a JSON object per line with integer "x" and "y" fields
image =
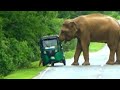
{"x": 64, "y": 24}
{"x": 63, "y": 32}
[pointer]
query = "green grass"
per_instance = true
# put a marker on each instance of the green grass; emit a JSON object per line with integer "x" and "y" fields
{"x": 96, "y": 46}
{"x": 26, "y": 73}
{"x": 92, "y": 48}
{"x": 69, "y": 54}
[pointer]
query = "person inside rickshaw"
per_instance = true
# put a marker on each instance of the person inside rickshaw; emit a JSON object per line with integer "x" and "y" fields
{"x": 48, "y": 44}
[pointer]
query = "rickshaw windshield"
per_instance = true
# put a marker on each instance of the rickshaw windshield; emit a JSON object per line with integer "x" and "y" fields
{"x": 50, "y": 44}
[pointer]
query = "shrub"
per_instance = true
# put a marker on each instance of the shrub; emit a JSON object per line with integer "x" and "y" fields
{"x": 6, "y": 59}
{"x": 14, "y": 54}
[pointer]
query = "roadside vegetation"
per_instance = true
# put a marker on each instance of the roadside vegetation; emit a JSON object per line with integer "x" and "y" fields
{"x": 26, "y": 73}
{"x": 94, "y": 47}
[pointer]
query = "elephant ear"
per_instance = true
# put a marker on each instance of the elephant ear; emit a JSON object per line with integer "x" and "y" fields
{"x": 70, "y": 23}
{"x": 73, "y": 25}
{"x": 77, "y": 29}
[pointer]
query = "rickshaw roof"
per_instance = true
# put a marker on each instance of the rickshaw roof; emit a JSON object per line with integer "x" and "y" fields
{"x": 49, "y": 37}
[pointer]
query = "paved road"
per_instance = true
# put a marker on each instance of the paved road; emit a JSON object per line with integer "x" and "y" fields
{"x": 97, "y": 69}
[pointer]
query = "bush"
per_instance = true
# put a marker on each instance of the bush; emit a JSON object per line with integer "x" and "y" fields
{"x": 21, "y": 52}
{"x": 14, "y": 54}
{"x": 6, "y": 59}
{"x": 71, "y": 45}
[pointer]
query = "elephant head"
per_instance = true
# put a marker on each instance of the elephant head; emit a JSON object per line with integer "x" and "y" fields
{"x": 68, "y": 30}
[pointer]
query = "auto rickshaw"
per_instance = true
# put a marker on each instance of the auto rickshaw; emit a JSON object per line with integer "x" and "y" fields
{"x": 51, "y": 50}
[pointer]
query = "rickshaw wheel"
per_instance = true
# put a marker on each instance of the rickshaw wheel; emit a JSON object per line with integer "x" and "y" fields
{"x": 64, "y": 62}
{"x": 52, "y": 63}
{"x": 43, "y": 64}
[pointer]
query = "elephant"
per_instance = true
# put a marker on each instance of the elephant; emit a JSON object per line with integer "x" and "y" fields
{"x": 94, "y": 27}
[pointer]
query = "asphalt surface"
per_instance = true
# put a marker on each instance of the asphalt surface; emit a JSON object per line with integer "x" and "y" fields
{"x": 97, "y": 70}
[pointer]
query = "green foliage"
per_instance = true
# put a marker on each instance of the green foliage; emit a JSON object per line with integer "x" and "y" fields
{"x": 94, "y": 47}
{"x": 6, "y": 59}
{"x": 69, "y": 54}
{"x": 21, "y": 52}
{"x": 1, "y": 26}
{"x": 20, "y": 32}
{"x": 115, "y": 14}
{"x": 14, "y": 55}
{"x": 69, "y": 45}
{"x": 73, "y": 14}
{"x": 28, "y": 73}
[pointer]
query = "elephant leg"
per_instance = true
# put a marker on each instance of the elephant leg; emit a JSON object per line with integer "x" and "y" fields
{"x": 77, "y": 53}
{"x": 118, "y": 54}
{"x": 85, "y": 48}
{"x": 112, "y": 54}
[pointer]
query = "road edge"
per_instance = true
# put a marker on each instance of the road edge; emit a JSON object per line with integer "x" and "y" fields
{"x": 41, "y": 74}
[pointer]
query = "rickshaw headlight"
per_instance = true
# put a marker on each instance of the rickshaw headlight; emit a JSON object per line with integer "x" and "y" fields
{"x": 44, "y": 52}
{"x": 55, "y": 50}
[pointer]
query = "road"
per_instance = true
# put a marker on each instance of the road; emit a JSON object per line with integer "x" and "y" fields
{"x": 97, "y": 70}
